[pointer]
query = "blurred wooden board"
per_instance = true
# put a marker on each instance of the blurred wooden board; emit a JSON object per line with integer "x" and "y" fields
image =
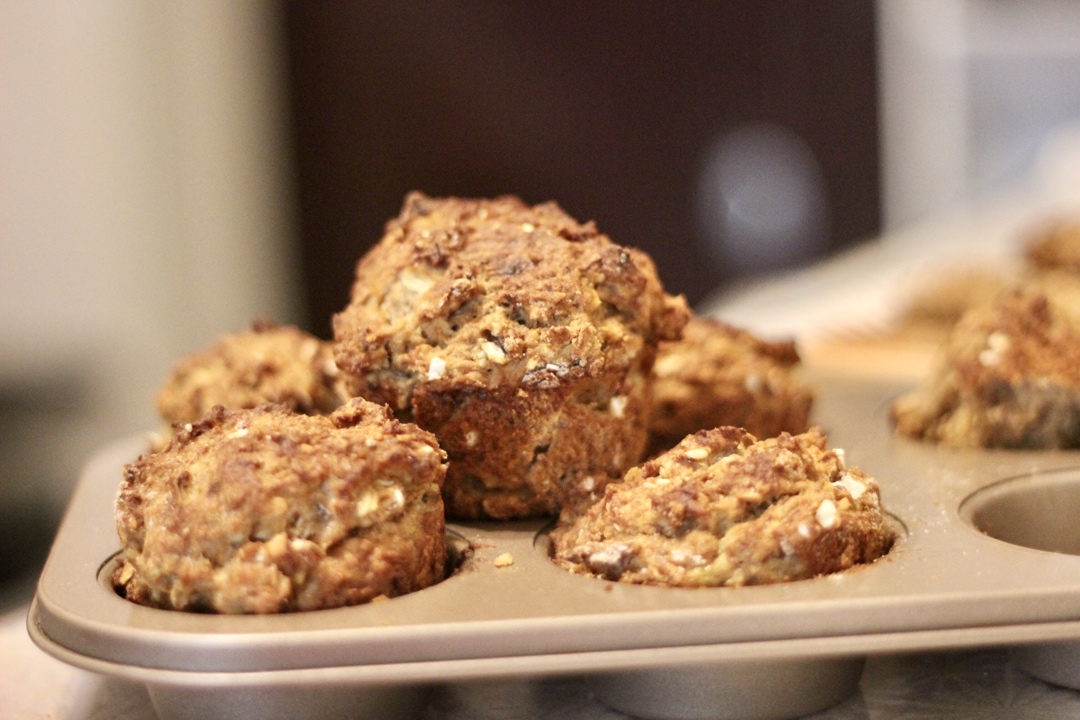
{"x": 899, "y": 355}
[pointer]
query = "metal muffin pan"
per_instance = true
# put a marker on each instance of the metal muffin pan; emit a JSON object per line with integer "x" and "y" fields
{"x": 973, "y": 566}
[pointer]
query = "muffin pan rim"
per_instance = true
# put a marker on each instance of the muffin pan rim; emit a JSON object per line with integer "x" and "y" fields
{"x": 58, "y": 621}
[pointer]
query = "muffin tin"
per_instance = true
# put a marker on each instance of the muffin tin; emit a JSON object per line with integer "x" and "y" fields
{"x": 988, "y": 553}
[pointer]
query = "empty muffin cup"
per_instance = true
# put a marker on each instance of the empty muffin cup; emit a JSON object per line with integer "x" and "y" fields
{"x": 1036, "y": 511}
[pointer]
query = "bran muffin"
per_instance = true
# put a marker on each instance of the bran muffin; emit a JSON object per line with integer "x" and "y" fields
{"x": 939, "y": 300}
{"x": 267, "y": 364}
{"x": 265, "y": 510}
{"x": 1054, "y": 246}
{"x": 721, "y": 375}
{"x": 522, "y": 338}
{"x": 1008, "y": 376}
{"x": 724, "y": 509}
{"x": 1061, "y": 288}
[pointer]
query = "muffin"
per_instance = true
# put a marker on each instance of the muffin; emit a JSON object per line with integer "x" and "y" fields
{"x": 268, "y": 364}
{"x": 938, "y": 301}
{"x": 265, "y": 510}
{"x": 720, "y": 375}
{"x": 722, "y": 508}
{"x": 1008, "y": 376}
{"x": 1061, "y": 288}
{"x": 1054, "y": 246}
{"x": 522, "y": 338}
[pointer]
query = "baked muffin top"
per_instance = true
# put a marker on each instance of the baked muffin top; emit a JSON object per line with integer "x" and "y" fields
{"x": 1008, "y": 375}
{"x": 711, "y": 349}
{"x": 263, "y": 510}
{"x": 1056, "y": 245}
{"x": 1023, "y": 335}
{"x": 267, "y": 364}
{"x": 724, "y": 509}
{"x": 496, "y": 293}
{"x": 718, "y": 374}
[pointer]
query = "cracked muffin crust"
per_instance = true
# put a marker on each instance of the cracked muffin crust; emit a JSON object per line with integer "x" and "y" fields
{"x": 1008, "y": 376}
{"x": 522, "y": 338}
{"x": 721, "y": 375}
{"x": 267, "y": 364}
{"x": 724, "y": 509}
{"x": 264, "y": 510}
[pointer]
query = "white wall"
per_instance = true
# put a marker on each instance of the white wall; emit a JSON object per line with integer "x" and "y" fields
{"x": 973, "y": 92}
{"x": 144, "y": 206}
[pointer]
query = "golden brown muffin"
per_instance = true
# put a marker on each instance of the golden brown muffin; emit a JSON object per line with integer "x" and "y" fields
{"x": 1061, "y": 287}
{"x": 267, "y": 364}
{"x": 1008, "y": 376}
{"x": 724, "y": 509}
{"x": 522, "y": 338}
{"x": 265, "y": 510}
{"x": 1055, "y": 246}
{"x": 939, "y": 301}
{"x": 720, "y": 375}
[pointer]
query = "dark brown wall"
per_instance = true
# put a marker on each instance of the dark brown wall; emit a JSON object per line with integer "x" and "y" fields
{"x": 606, "y": 107}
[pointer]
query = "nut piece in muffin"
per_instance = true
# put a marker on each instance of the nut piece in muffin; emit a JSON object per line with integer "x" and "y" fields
{"x": 522, "y": 338}
{"x": 1008, "y": 376}
{"x": 724, "y": 509}
{"x": 265, "y": 510}
{"x": 268, "y": 364}
{"x": 721, "y": 375}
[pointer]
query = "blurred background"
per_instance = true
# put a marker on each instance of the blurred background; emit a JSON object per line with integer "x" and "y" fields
{"x": 170, "y": 171}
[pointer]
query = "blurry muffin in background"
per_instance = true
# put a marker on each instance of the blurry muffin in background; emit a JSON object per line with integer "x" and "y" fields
{"x": 267, "y": 364}
{"x": 1061, "y": 287}
{"x": 943, "y": 296}
{"x": 717, "y": 375}
{"x": 1049, "y": 262}
{"x": 1054, "y": 246}
{"x": 522, "y": 338}
{"x": 1007, "y": 376}
{"x": 724, "y": 509}
{"x": 1052, "y": 252}
{"x": 264, "y": 510}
